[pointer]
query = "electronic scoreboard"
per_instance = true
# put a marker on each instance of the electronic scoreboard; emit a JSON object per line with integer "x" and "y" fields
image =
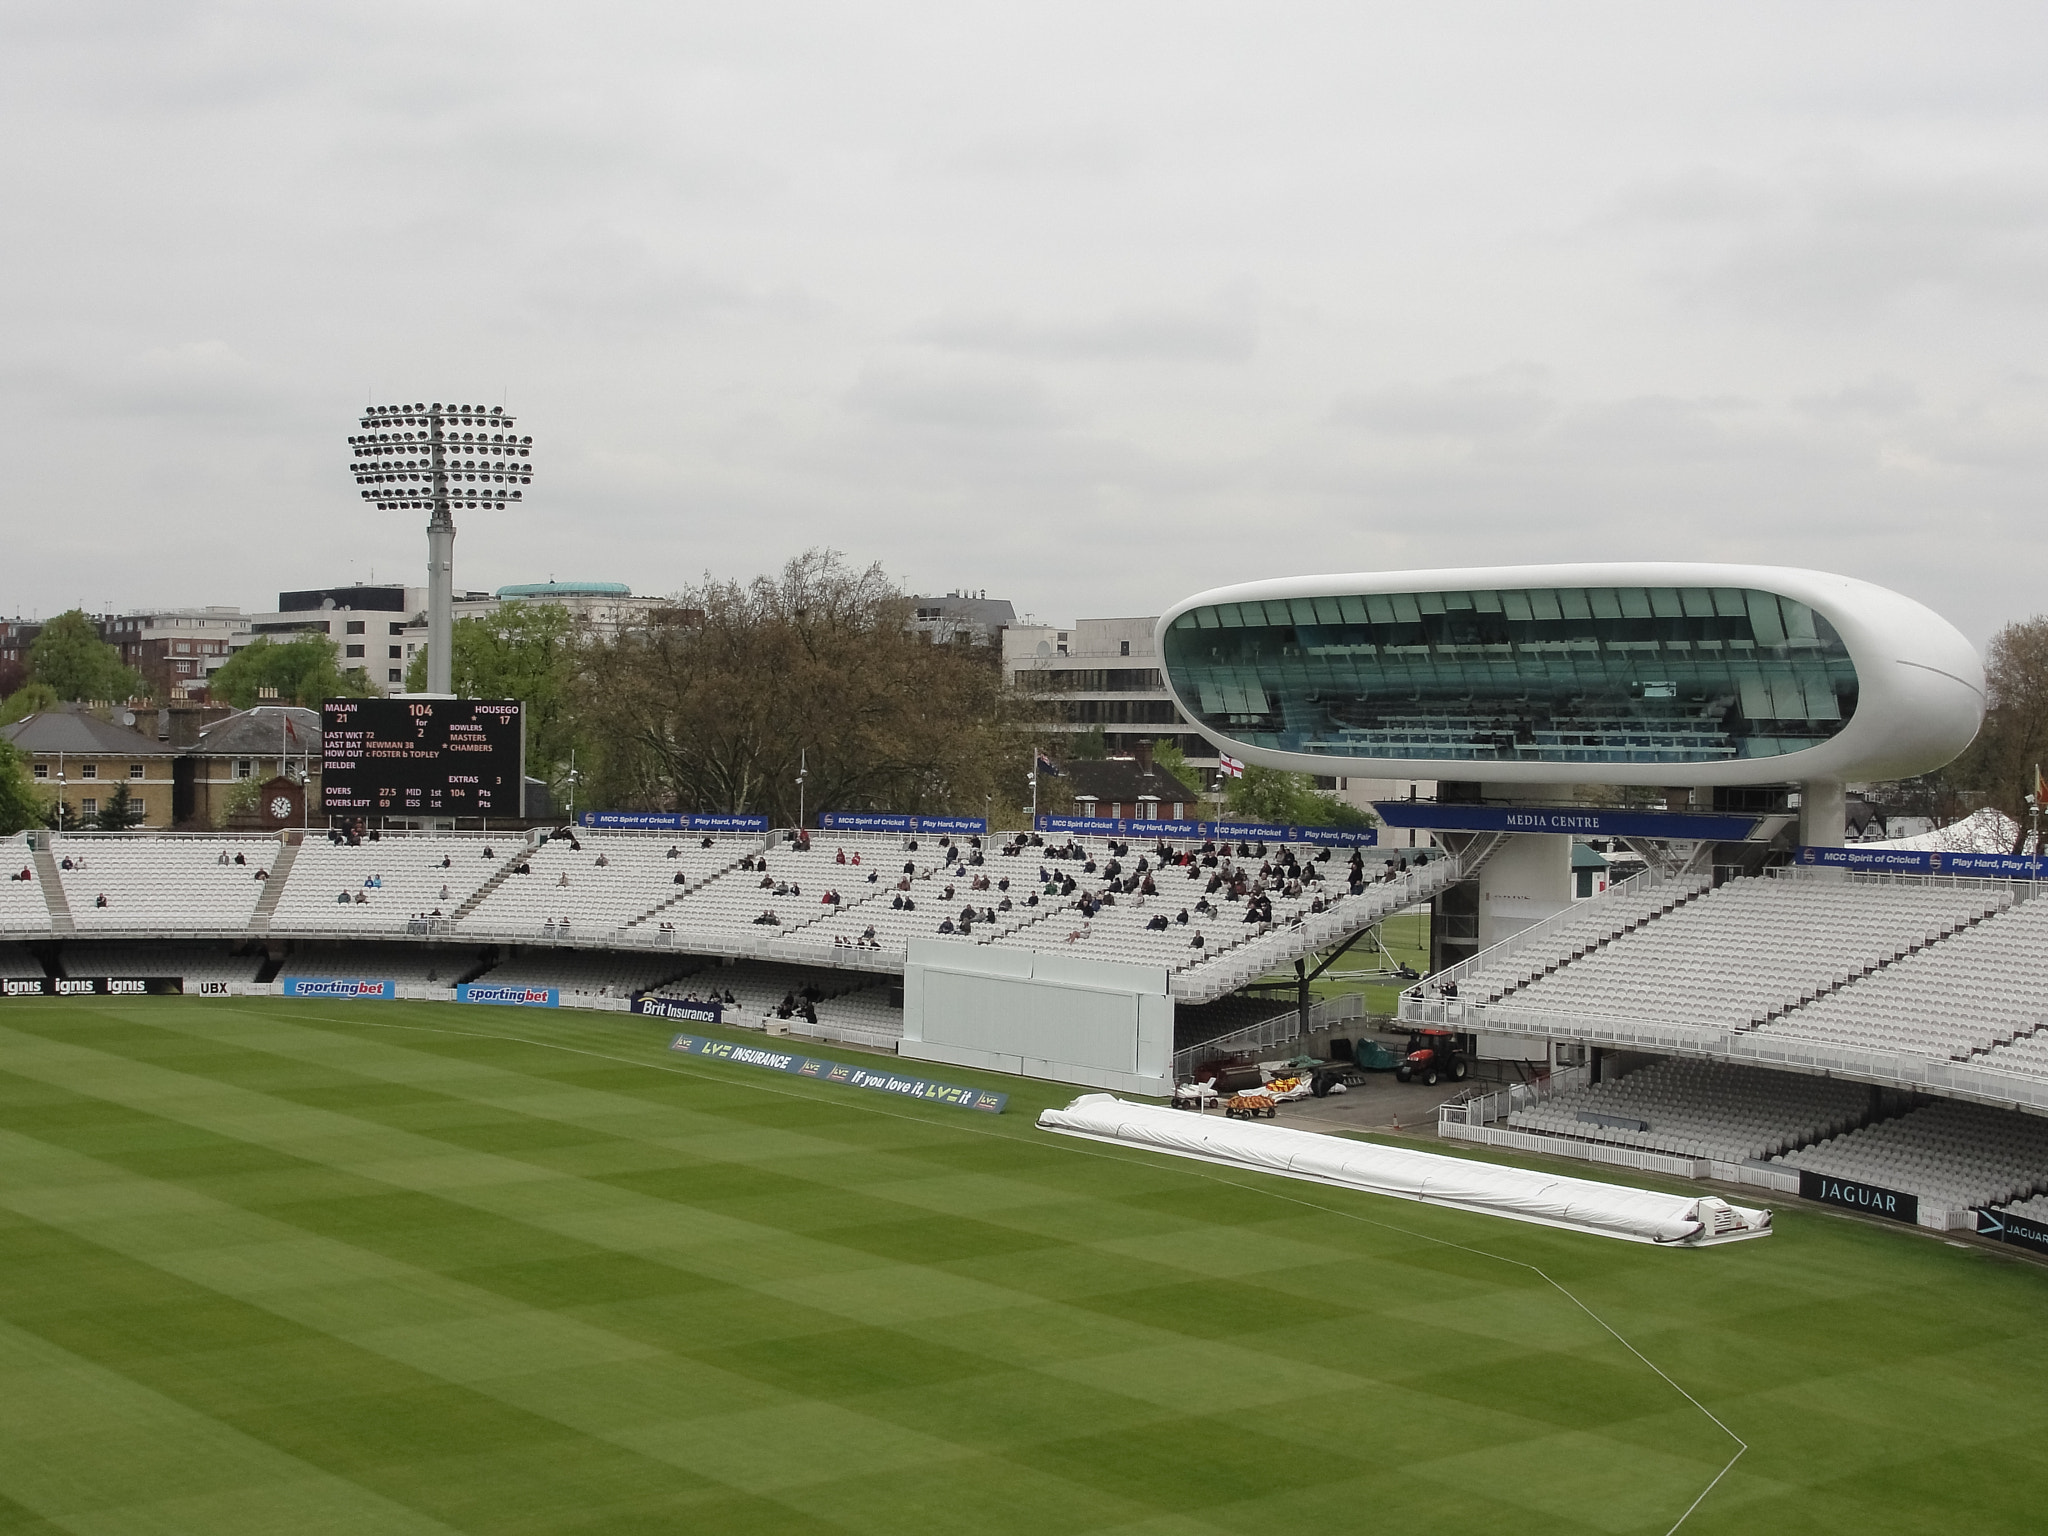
{"x": 423, "y": 757}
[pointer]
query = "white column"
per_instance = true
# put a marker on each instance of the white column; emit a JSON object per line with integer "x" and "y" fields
{"x": 1529, "y": 876}
{"x": 441, "y": 602}
{"x": 1823, "y": 813}
{"x": 1528, "y": 879}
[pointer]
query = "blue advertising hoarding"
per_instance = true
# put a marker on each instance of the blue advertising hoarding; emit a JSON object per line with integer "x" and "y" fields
{"x": 890, "y": 821}
{"x": 1910, "y": 861}
{"x": 670, "y": 821}
{"x": 338, "y": 986}
{"x": 681, "y": 1010}
{"x": 512, "y": 996}
{"x": 1234, "y": 831}
{"x": 1565, "y": 820}
{"x": 923, "y": 1089}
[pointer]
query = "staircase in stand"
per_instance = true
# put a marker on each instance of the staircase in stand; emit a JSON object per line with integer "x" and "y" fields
{"x": 690, "y": 889}
{"x": 273, "y": 889}
{"x": 498, "y": 878}
{"x": 53, "y": 891}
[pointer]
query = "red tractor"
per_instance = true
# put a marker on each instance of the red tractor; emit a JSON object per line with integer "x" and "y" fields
{"x": 1434, "y": 1054}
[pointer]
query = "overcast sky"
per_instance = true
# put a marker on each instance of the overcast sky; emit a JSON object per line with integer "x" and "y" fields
{"x": 1091, "y": 306}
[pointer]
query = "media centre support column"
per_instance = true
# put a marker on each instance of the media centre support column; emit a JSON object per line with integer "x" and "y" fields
{"x": 1529, "y": 876}
{"x": 1823, "y": 813}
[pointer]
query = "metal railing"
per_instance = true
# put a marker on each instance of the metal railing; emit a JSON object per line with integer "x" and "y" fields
{"x": 1895, "y": 1069}
{"x": 1275, "y": 1030}
{"x": 1480, "y": 1106}
{"x": 1539, "y": 933}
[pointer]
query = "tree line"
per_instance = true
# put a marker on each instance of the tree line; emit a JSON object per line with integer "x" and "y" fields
{"x": 809, "y": 688}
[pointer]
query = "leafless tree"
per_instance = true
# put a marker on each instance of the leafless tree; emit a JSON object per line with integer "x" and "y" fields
{"x": 715, "y": 704}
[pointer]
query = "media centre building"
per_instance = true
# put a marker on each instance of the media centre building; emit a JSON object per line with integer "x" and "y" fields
{"x": 1731, "y": 686}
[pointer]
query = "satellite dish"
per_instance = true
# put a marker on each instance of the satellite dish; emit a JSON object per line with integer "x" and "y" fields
{"x": 127, "y": 717}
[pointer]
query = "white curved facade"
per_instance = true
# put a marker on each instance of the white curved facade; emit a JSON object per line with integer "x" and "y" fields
{"x": 1627, "y": 672}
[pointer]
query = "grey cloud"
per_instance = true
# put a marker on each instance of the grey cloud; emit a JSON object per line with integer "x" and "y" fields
{"x": 1056, "y": 154}
{"x": 1095, "y": 325}
{"x": 1481, "y": 408}
{"x": 1841, "y": 241}
{"x": 956, "y": 401}
{"x": 1222, "y": 333}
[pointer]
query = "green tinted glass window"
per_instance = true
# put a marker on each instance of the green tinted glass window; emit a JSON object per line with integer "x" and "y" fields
{"x": 1573, "y": 675}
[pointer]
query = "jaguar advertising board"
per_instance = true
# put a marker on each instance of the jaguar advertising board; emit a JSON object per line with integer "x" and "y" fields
{"x": 1867, "y": 1198}
{"x": 799, "y": 1065}
{"x": 508, "y": 996}
{"x": 2020, "y": 1231}
{"x": 339, "y": 986}
{"x": 683, "y": 1010}
{"x": 91, "y": 986}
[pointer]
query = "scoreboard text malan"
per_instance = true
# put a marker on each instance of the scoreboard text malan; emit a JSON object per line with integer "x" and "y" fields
{"x": 427, "y": 757}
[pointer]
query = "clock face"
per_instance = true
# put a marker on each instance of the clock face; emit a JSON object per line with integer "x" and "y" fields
{"x": 280, "y": 808}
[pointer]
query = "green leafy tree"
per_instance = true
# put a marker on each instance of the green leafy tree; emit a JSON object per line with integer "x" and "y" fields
{"x": 72, "y": 661}
{"x": 29, "y": 699}
{"x": 118, "y": 811}
{"x": 720, "y": 701}
{"x": 243, "y": 797}
{"x": 20, "y": 805}
{"x": 1167, "y": 753}
{"x": 524, "y": 651}
{"x": 60, "y": 815}
{"x": 304, "y": 670}
{"x": 1089, "y": 746}
{"x": 1290, "y": 799}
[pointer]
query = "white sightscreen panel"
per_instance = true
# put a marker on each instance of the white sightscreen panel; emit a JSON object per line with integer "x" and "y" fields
{"x": 1098, "y": 1030}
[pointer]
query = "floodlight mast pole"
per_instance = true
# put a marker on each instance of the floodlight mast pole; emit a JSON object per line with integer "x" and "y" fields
{"x": 440, "y": 570}
{"x": 441, "y": 467}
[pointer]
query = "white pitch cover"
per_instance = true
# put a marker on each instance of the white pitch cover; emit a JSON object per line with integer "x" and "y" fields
{"x": 1491, "y": 1189}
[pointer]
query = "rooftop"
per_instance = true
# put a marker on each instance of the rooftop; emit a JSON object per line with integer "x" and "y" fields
{"x": 71, "y": 728}
{"x": 567, "y": 589}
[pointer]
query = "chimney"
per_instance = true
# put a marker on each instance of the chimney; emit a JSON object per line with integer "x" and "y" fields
{"x": 1143, "y": 752}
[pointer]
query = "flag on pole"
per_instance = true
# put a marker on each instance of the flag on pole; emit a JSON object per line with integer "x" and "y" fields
{"x": 2040, "y": 788}
{"x": 1044, "y": 766}
{"x": 1231, "y": 766}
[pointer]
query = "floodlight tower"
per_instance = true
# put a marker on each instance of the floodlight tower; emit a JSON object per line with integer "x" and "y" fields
{"x": 435, "y": 458}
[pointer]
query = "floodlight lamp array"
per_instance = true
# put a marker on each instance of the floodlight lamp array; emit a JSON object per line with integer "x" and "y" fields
{"x": 429, "y": 457}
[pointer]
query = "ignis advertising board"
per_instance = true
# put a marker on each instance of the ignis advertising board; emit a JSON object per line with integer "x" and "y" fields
{"x": 91, "y": 986}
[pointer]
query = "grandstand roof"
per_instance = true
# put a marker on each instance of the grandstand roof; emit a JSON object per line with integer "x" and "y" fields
{"x": 71, "y": 728}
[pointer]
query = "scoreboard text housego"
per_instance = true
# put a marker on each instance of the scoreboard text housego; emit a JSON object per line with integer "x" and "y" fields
{"x": 425, "y": 757}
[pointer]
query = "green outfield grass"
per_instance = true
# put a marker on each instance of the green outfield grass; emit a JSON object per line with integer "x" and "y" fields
{"x": 273, "y": 1266}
